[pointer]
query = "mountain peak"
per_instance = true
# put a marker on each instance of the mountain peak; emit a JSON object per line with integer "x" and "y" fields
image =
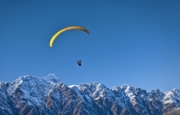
{"x": 51, "y": 78}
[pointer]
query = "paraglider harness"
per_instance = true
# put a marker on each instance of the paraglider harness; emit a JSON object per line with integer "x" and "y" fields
{"x": 79, "y": 62}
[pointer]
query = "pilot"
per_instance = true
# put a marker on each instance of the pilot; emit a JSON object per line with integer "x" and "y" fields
{"x": 79, "y": 62}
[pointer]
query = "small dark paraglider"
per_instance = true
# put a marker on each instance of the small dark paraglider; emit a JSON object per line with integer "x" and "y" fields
{"x": 79, "y": 62}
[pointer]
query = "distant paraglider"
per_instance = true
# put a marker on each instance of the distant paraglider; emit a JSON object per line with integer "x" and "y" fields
{"x": 65, "y": 29}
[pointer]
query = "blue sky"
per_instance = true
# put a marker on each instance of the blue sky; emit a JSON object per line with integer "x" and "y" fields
{"x": 130, "y": 42}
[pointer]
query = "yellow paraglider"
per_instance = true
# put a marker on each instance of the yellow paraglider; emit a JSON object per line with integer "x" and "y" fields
{"x": 65, "y": 29}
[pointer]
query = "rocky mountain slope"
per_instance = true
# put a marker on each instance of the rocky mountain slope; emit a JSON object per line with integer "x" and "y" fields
{"x": 29, "y": 95}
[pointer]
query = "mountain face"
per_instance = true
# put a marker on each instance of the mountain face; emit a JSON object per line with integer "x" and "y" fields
{"x": 29, "y": 95}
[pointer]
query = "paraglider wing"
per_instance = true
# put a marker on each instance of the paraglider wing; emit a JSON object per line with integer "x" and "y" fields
{"x": 65, "y": 29}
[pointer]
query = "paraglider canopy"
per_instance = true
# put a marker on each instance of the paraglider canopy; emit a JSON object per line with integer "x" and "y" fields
{"x": 65, "y": 29}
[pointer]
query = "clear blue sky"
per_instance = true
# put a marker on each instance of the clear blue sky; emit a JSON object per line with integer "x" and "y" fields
{"x": 130, "y": 42}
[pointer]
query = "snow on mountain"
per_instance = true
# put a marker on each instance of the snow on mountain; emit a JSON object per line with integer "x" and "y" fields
{"x": 30, "y": 95}
{"x": 172, "y": 96}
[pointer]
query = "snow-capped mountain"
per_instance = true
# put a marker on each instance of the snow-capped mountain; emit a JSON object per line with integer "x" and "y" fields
{"x": 29, "y": 95}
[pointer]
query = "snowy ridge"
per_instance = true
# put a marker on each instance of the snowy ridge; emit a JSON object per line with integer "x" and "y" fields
{"x": 48, "y": 96}
{"x": 172, "y": 96}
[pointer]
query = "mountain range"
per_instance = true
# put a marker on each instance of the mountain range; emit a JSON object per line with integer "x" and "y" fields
{"x": 30, "y": 95}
